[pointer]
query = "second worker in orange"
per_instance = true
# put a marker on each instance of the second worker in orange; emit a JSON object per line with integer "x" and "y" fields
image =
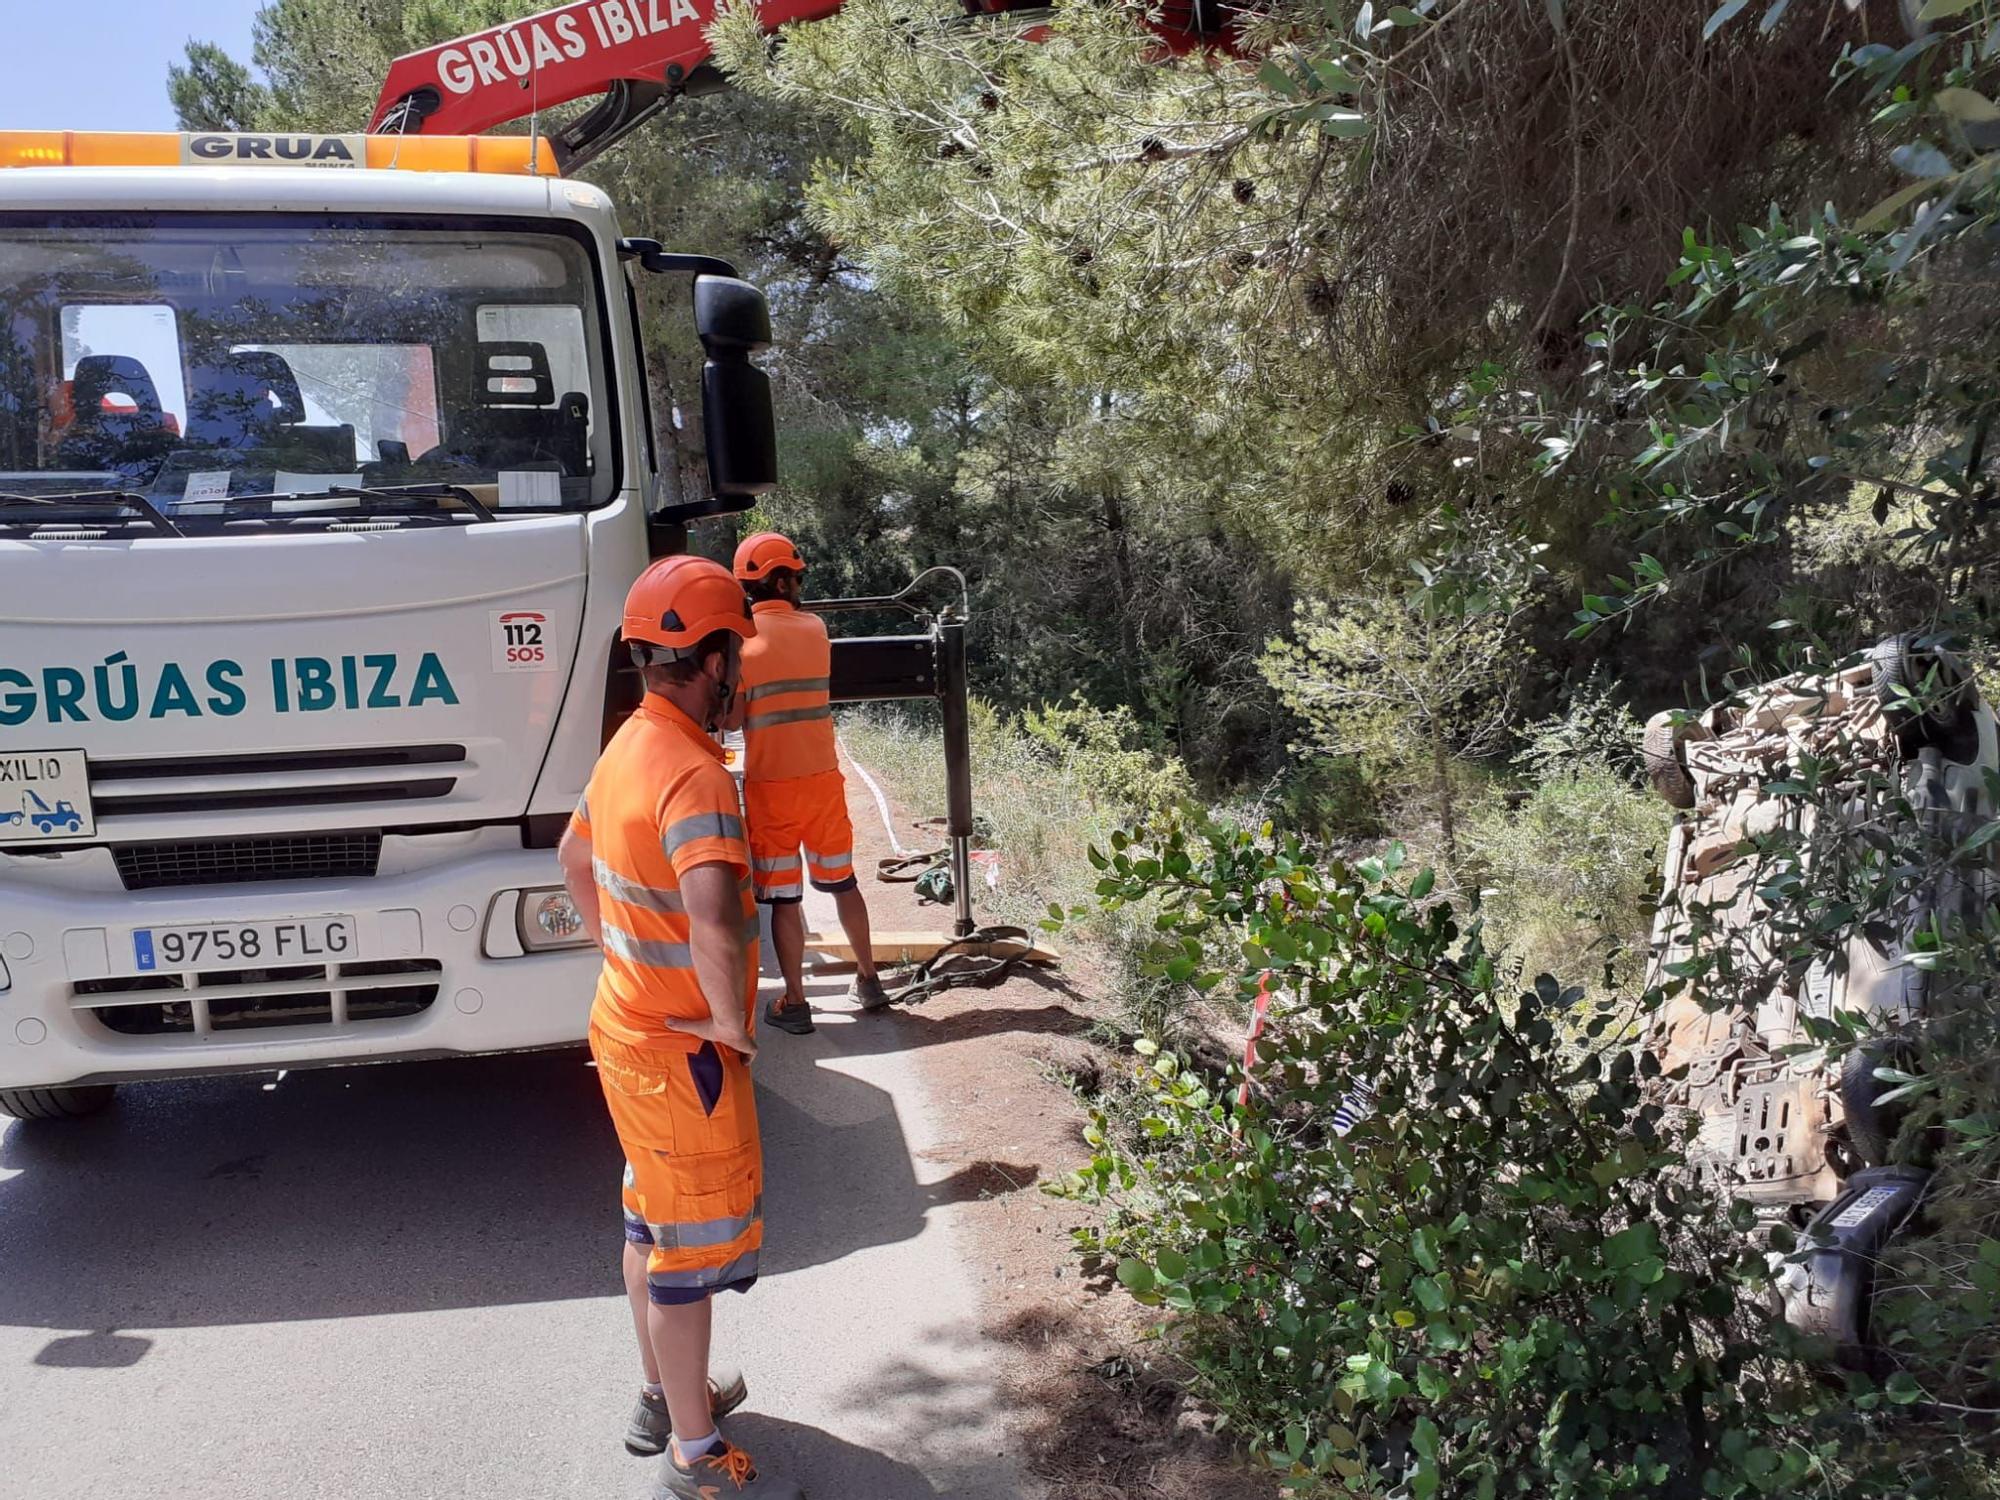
{"x": 793, "y": 792}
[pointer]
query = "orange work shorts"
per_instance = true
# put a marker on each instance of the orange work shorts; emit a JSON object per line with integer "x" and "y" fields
{"x": 802, "y": 814}
{"x": 694, "y": 1164}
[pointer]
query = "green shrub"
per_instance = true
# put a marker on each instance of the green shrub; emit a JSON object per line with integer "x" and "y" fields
{"x": 1594, "y": 731}
{"x": 1330, "y": 799}
{"x": 1503, "y": 1282}
{"x": 1101, "y": 753}
{"x": 1568, "y": 874}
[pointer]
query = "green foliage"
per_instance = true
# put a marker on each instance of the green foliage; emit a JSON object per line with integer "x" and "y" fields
{"x": 1594, "y": 730}
{"x": 1411, "y": 692}
{"x": 1100, "y": 752}
{"x": 1568, "y": 872}
{"x": 1499, "y": 1284}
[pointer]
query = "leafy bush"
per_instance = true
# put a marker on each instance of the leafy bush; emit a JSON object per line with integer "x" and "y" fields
{"x": 1594, "y": 731}
{"x": 1103, "y": 753}
{"x": 1503, "y": 1282}
{"x": 1570, "y": 874}
{"x": 1499, "y": 1284}
{"x": 1408, "y": 691}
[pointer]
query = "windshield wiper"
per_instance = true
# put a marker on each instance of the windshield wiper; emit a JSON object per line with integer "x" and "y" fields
{"x": 385, "y": 499}
{"x": 143, "y": 509}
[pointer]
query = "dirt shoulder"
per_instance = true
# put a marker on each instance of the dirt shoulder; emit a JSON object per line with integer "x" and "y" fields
{"x": 1107, "y": 1417}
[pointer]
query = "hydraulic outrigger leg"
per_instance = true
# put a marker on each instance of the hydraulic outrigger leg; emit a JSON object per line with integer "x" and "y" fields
{"x": 885, "y": 668}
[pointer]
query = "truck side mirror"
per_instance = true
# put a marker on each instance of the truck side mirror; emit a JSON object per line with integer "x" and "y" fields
{"x": 738, "y": 423}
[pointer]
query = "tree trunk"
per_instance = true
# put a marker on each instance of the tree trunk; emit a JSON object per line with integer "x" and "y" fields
{"x": 1121, "y": 565}
{"x": 1447, "y": 821}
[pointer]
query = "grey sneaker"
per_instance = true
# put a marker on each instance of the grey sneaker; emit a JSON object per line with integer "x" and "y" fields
{"x": 651, "y": 1426}
{"x": 723, "y": 1473}
{"x": 870, "y": 993}
{"x": 797, "y": 1019}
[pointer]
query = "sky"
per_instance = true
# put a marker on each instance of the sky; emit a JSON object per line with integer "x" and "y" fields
{"x": 102, "y": 64}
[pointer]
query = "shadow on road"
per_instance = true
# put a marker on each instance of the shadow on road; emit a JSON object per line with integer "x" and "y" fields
{"x": 823, "y": 1464}
{"x": 355, "y": 1191}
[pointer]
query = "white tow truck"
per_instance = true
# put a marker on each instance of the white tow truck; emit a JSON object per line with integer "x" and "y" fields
{"x": 325, "y": 465}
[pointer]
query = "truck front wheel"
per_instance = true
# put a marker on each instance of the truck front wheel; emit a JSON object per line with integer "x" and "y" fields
{"x": 55, "y": 1104}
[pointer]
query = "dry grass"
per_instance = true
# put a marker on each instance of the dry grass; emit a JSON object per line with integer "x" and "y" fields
{"x": 1034, "y": 810}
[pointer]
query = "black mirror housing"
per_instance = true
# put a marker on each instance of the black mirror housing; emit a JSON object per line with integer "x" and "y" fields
{"x": 738, "y": 421}
{"x": 739, "y": 424}
{"x": 731, "y": 316}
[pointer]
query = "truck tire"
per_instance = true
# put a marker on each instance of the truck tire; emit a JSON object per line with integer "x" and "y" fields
{"x": 1871, "y": 1128}
{"x": 1664, "y": 766}
{"x": 1898, "y": 663}
{"x": 56, "y": 1104}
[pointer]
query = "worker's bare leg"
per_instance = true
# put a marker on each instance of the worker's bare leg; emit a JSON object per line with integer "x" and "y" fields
{"x": 853, "y": 909}
{"x": 635, "y": 1291}
{"x": 680, "y": 1335}
{"x": 788, "y": 936}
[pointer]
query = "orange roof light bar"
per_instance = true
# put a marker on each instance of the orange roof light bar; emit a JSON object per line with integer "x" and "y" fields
{"x": 510, "y": 155}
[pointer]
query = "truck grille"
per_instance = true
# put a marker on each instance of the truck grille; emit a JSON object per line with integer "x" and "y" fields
{"x": 209, "y": 1002}
{"x": 308, "y": 856}
{"x": 284, "y": 778}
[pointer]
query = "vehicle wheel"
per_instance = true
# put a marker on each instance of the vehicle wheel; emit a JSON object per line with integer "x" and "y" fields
{"x": 56, "y": 1104}
{"x": 1664, "y": 766}
{"x": 1898, "y": 663}
{"x": 1871, "y": 1128}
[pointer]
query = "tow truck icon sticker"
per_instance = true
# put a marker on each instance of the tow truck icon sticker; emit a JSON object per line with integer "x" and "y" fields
{"x": 44, "y": 794}
{"x": 62, "y": 817}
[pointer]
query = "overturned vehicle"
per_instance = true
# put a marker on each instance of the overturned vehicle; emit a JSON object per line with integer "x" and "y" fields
{"x": 1791, "y": 1000}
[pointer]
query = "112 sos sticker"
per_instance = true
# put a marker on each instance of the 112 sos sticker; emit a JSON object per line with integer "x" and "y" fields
{"x": 521, "y": 641}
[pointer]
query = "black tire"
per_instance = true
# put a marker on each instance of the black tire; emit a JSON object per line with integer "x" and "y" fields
{"x": 1871, "y": 1129}
{"x": 1899, "y": 663}
{"x": 1664, "y": 766}
{"x": 56, "y": 1104}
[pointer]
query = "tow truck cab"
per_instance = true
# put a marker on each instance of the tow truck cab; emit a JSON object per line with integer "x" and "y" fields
{"x": 321, "y": 487}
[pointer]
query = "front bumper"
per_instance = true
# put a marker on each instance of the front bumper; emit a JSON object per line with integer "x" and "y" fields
{"x": 423, "y": 983}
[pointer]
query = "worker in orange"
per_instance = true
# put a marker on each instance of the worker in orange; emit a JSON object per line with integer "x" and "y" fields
{"x": 657, "y": 865}
{"x": 793, "y": 791}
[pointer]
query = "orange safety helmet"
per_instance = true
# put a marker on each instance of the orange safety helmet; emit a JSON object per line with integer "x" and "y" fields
{"x": 679, "y": 602}
{"x": 763, "y": 554}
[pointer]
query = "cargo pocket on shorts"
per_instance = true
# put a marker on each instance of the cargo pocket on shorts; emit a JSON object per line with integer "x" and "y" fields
{"x": 718, "y": 1087}
{"x": 639, "y": 1097}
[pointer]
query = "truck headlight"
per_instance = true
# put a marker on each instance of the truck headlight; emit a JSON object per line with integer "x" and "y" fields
{"x": 548, "y": 919}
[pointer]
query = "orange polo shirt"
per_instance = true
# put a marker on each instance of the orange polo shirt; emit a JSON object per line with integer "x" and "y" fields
{"x": 787, "y": 670}
{"x": 660, "y": 803}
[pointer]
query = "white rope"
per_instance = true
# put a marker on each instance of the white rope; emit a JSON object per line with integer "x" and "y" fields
{"x": 881, "y": 802}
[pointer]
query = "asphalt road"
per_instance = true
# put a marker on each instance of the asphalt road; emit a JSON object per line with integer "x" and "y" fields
{"x": 402, "y": 1282}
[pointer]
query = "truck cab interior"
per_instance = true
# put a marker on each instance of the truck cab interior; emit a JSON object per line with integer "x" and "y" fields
{"x": 197, "y": 366}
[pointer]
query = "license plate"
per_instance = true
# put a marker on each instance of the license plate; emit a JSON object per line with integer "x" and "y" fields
{"x": 241, "y": 945}
{"x": 44, "y": 797}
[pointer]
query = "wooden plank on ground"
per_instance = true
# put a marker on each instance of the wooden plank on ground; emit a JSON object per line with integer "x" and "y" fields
{"x": 915, "y": 947}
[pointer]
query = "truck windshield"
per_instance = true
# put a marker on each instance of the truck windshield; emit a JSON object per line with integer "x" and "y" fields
{"x": 189, "y": 360}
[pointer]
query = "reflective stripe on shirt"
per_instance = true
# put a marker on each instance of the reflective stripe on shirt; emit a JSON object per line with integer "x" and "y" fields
{"x": 706, "y": 825}
{"x": 650, "y": 952}
{"x": 787, "y": 716}
{"x": 790, "y": 685}
{"x": 631, "y": 893}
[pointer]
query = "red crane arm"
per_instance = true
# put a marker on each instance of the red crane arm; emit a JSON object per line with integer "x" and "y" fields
{"x": 637, "y": 52}
{"x": 504, "y": 73}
